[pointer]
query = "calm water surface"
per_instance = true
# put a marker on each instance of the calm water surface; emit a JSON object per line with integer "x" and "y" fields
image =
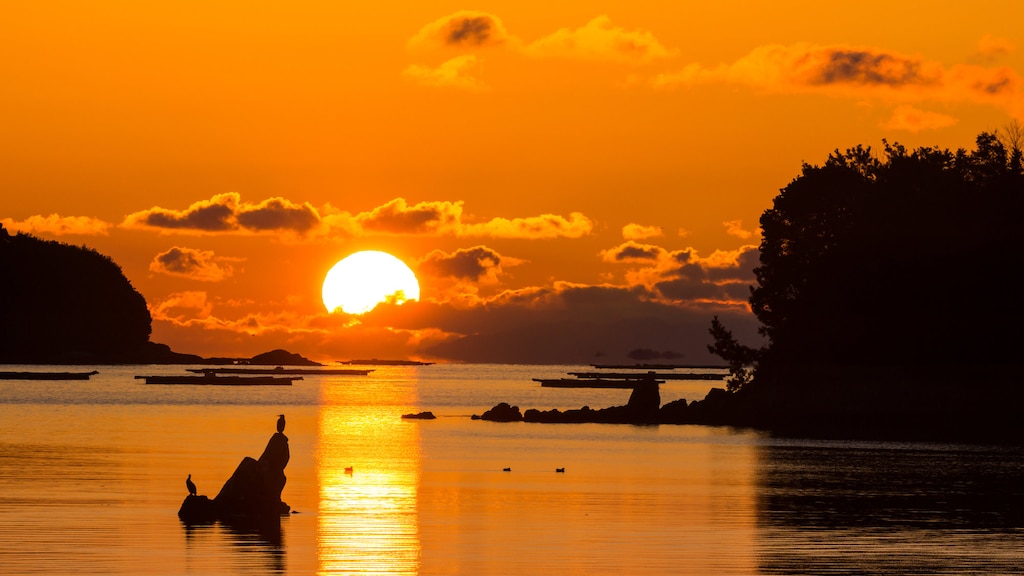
{"x": 93, "y": 474}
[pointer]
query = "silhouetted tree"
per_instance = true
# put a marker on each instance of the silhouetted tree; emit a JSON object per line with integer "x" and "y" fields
{"x": 741, "y": 359}
{"x": 891, "y": 265}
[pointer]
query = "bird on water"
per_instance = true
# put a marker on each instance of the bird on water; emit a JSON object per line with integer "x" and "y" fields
{"x": 190, "y": 485}
{"x": 280, "y": 422}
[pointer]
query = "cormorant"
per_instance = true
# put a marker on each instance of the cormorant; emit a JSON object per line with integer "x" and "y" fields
{"x": 190, "y": 485}
{"x": 280, "y": 422}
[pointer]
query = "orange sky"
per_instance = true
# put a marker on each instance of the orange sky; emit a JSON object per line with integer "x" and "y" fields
{"x": 565, "y": 180}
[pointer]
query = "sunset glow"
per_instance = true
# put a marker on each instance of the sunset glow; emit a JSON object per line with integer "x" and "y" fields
{"x": 569, "y": 183}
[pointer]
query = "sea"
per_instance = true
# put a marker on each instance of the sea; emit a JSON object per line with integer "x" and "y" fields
{"x": 92, "y": 474}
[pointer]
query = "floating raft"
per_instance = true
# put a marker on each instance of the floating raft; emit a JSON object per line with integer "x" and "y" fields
{"x": 594, "y": 382}
{"x": 656, "y": 375}
{"x": 47, "y": 375}
{"x": 214, "y": 380}
{"x": 280, "y": 370}
{"x": 659, "y": 366}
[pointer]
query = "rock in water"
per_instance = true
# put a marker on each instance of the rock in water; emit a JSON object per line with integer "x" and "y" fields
{"x": 253, "y": 491}
{"x": 645, "y": 400}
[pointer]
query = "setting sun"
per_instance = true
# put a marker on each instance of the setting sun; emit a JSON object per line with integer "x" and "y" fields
{"x": 359, "y": 282}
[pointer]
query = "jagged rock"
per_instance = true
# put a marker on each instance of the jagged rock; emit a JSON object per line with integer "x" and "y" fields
{"x": 645, "y": 400}
{"x": 253, "y": 491}
{"x": 674, "y": 411}
{"x": 420, "y": 416}
{"x": 502, "y": 412}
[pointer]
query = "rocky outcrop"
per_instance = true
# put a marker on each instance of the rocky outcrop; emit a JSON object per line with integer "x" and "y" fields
{"x": 252, "y": 492}
{"x": 643, "y": 408}
{"x": 420, "y": 416}
{"x": 502, "y": 412}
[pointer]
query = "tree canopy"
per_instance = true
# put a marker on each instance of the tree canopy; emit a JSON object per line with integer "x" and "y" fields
{"x": 906, "y": 259}
{"x": 904, "y": 263}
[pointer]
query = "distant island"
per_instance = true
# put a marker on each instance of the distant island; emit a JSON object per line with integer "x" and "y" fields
{"x": 376, "y": 362}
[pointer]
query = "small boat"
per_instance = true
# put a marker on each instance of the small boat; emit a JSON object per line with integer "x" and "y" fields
{"x": 594, "y": 382}
{"x": 282, "y": 370}
{"x": 214, "y": 380}
{"x": 47, "y": 375}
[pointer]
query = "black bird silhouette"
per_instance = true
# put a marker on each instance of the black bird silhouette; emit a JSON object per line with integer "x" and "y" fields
{"x": 559, "y": 469}
{"x": 190, "y": 485}
{"x": 280, "y": 422}
{"x": 506, "y": 469}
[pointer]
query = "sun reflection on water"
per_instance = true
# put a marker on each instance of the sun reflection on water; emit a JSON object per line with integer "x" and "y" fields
{"x": 368, "y": 470}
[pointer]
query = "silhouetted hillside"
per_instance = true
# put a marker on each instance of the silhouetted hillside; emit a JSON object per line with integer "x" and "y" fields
{"x": 62, "y": 304}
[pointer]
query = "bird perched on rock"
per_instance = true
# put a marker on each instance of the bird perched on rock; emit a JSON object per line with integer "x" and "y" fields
{"x": 190, "y": 485}
{"x": 280, "y": 422}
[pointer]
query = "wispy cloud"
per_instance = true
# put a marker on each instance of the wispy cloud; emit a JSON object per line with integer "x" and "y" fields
{"x": 58, "y": 225}
{"x": 201, "y": 265}
{"x": 859, "y": 72}
{"x": 640, "y": 232}
{"x": 993, "y": 47}
{"x": 600, "y": 40}
{"x": 683, "y": 275}
{"x": 470, "y": 33}
{"x": 735, "y": 228}
{"x": 228, "y": 214}
{"x": 463, "y": 29}
{"x": 458, "y": 72}
{"x": 908, "y": 118}
{"x": 633, "y": 251}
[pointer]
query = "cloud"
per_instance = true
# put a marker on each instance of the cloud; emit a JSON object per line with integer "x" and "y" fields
{"x": 683, "y": 275}
{"x": 735, "y": 228}
{"x": 545, "y": 226}
{"x": 632, "y": 251}
{"x": 200, "y": 265}
{"x": 58, "y": 225}
{"x": 567, "y": 323}
{"x": 858, "y": 72}
{"x": 639, "y": 232}
{"x": 446, "y": 218}
{"x": 458, "y": 72}
{"x": 911, "y": 119}
{"x": 463, "y": 29}
{"x": 478, "y": 264}
{"x": 600, "y": 40}
{"x": 398, "y": 217}
{"x": 179, "y": 307}
{"x": 991, "y": 47}
{"x": 276, "y": 214}
{"x": 227, "y": 213}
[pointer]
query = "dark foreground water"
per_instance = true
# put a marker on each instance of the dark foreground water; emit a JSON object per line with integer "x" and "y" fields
{"x": 92, "y": 475}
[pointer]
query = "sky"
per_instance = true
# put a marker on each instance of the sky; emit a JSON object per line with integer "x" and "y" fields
{"x": 570, "y": 182}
